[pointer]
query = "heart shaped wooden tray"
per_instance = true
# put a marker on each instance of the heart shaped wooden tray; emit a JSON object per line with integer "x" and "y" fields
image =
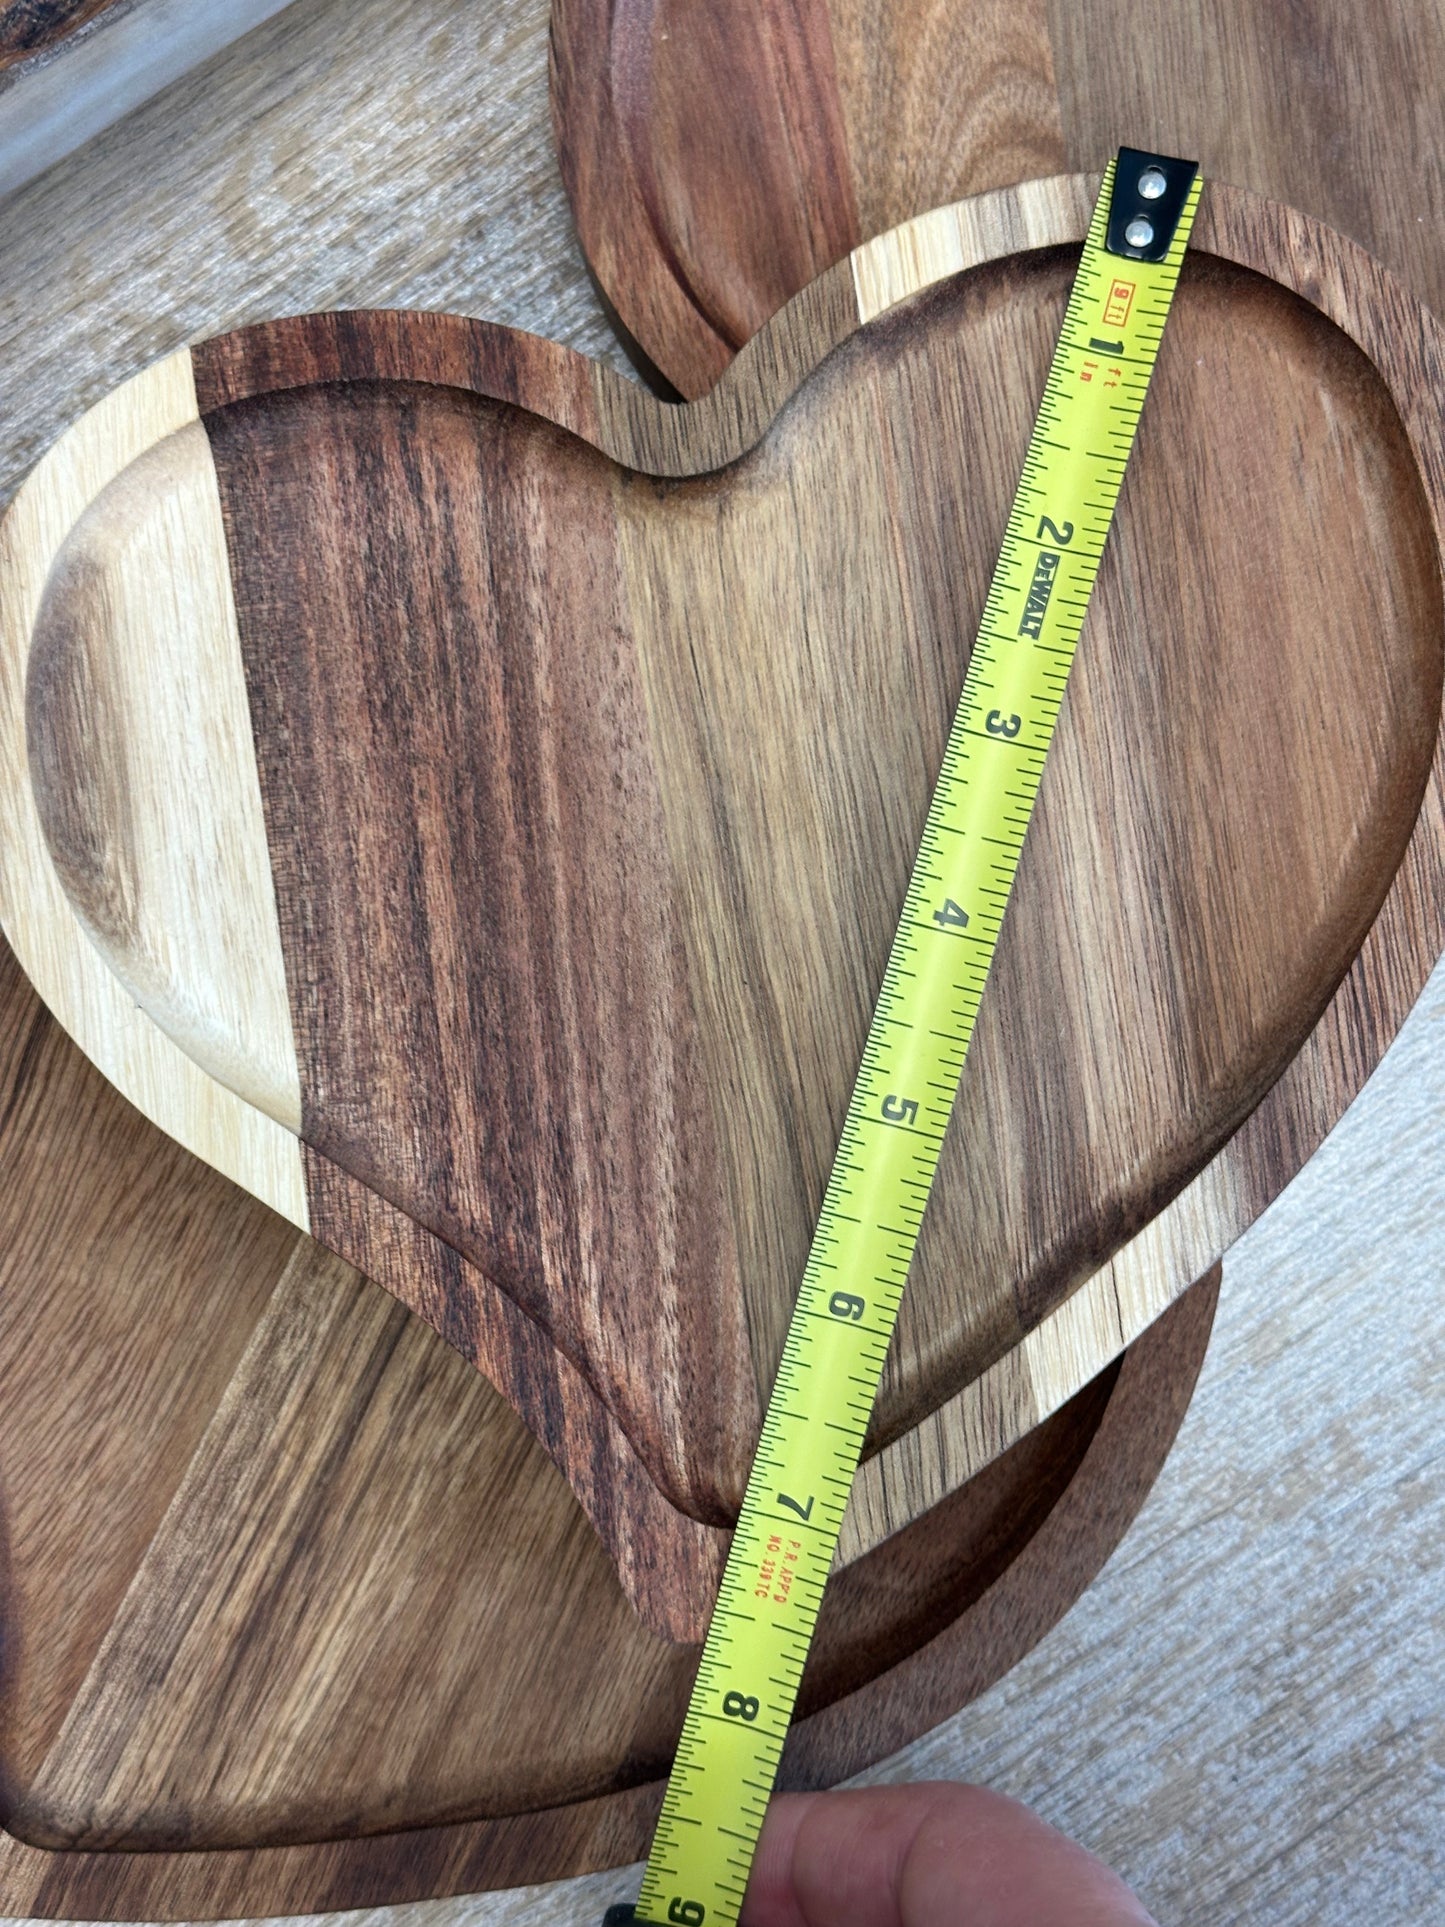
{"x": 1306, "y": 362}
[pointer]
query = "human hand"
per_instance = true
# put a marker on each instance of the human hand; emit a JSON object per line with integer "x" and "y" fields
{"x": 932, "y": 1855}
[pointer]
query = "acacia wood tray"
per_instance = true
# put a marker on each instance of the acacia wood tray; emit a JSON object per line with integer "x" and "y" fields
{"x": 1294, "y": 382}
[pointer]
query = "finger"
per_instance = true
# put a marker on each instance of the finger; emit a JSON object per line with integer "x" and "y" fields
{"x": 926, "y": 1856}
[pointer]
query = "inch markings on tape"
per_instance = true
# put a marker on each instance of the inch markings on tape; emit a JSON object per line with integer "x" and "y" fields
{"x": 762, "y": 1625}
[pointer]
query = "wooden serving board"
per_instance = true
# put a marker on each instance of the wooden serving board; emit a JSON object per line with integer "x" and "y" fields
{"x": 500, "y": 1715}
{"x": 229, "y": 876}
{"x": 718, "y": 157}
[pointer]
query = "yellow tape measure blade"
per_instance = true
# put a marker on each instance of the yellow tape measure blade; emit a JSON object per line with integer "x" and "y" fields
{"x": 787, "y": 1534}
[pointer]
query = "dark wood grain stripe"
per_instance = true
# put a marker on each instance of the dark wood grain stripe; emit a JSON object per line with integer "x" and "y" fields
{"x": 386, "y": 344}
{"x": 489, "y": 995}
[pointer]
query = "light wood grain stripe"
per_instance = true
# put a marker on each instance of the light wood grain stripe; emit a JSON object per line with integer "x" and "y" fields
{"x": 947, "y": 240}
{"x": 254, "y": 1149}
{"x": 143, "y": 767}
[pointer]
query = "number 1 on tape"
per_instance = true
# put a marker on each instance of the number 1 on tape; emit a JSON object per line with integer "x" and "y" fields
{"x": 888, "y": 1153}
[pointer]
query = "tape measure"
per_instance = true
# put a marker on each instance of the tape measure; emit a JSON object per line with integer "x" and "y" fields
{"x": 812, "y": 1435}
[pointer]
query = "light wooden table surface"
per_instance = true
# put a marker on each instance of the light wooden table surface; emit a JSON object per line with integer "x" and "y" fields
{"x": 1246, "y": 1713}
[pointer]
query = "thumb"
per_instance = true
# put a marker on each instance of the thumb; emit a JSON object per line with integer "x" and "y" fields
{"x": 930, "y": 1855}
